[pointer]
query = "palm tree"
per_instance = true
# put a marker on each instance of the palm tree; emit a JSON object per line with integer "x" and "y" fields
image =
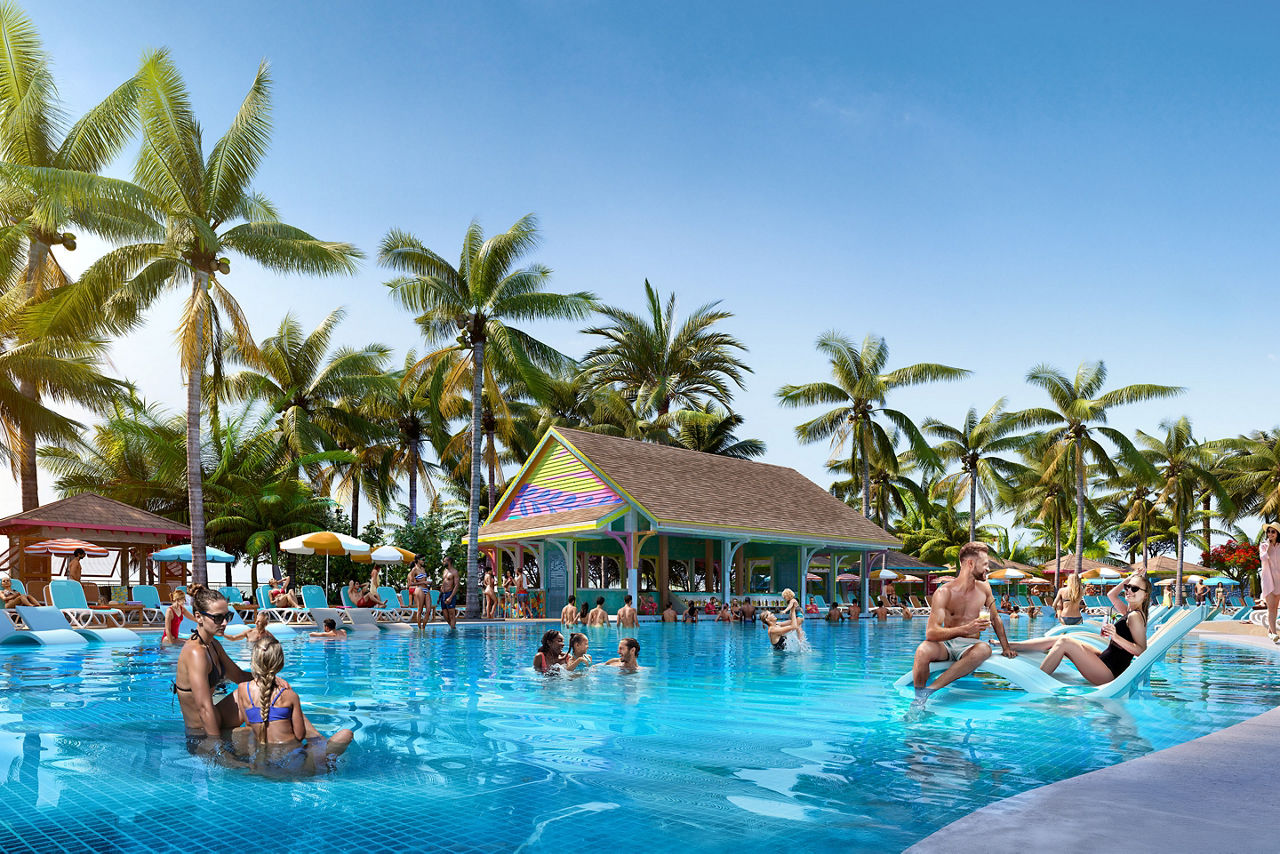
{"x": 710, "y": 429}
{"x": 475, "y": 304}
{"x": 1184, "y": 467}
{"x": 259, "y": 519}
{"x": 1133, "y": 493}
{"x": 411, "y": 408}
{"x": 1039, "y": 492}
{"x": 48, "y": 182}
{"x": 858, "y": 389}
{"x": 659, "y": 363}
{"x": 974, "y": 445}
{"x": 200, "y": 198}
{"x": 1075, "y": 424}
{"x": 361, "y": 434}
{"x": 304, "y": 385}
{"x": 1251, "y": 473}
{"x": 893, "y": 489}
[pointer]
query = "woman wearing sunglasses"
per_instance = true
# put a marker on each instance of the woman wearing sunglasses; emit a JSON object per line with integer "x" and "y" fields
{"x": 1128, "y": 636}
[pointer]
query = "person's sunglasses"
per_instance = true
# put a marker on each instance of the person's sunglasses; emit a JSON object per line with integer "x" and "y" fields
{"x": 217, "y": 618}
{"x": 1129, "y": 588}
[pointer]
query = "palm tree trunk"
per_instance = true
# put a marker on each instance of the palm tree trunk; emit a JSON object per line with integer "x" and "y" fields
{"x": 1208, "y": 546}
{"x": 413, "y": 488}
{"x": 355, "y": 504}
{"x": 195, "y": 482}
{"x": 1142, "y": 531}
{"x": 253, "y": 578}
{"x": 1057, "y": 547}
{"x": 1178, "y": 513}
{"x": 973, "y": 506}
{"x": 1079, "y": 510}
{"x": 490, "y": 455}
{"x": 28, "y": 474}
{"x": 866, "y": 474}
{"x": 473, "y": 516}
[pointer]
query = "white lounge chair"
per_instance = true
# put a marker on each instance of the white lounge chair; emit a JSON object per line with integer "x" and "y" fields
{"x": 48, "y": 620}
{"x": 287, "y": 616}
{"x": 68, "y": 597}
{"x": 1024, "y": 671}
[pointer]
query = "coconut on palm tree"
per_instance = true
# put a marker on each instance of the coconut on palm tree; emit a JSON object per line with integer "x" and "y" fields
{"x": 1076, "y": 424}
{"x": 208, "y": 211}
{"x": 475, "y": 304}
{"x": 858, "y": 390}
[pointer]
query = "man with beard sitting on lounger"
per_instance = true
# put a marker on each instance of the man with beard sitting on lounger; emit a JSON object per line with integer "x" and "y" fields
{"x": 956, "y": 621}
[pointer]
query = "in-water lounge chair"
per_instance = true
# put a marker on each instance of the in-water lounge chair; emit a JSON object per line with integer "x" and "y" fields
{"x": 11, "y": 636}
{"x": 48, "y": 619}
{"x": 68, "y": 597}
{"x": 1024, "y": 671}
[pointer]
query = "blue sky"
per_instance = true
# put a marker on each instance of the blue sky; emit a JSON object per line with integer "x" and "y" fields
{"x": 987, "y": 185}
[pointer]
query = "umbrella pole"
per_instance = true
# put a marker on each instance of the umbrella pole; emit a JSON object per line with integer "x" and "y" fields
{"x": 326, "y": 579}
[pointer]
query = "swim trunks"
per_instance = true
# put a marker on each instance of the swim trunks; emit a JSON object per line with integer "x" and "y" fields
{"x": 957, "y": 647}
{"x": 449, "y": 601}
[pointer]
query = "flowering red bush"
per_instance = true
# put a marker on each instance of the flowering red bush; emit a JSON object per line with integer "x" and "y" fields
{"x": 1234, "y": 557}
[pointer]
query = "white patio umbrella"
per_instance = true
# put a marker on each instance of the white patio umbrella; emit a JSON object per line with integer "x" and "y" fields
{"x": 325, "y": 543}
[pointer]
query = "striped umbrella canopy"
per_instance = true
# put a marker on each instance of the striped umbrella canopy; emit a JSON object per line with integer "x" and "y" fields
{"x": 848, "y": 577}
{"x": 183, "y": 553}
{"x": 1101, "y": 572}
{"x": 812, "y": 577}
{"x": 1012, "y": 574}
{"x": 66, "y": 548}
{"x": 385, "y": 554}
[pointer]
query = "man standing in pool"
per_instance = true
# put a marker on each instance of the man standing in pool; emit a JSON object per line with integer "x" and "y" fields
{"x": 449, "y": 593}
{"x": 569, "y": 613}
{"x": 627, "y": 617}
{"x": 628, "y": 652}
{"x": 961, "y": 611}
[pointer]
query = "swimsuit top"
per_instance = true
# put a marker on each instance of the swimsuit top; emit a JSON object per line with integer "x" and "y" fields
{"x": 781, "y": 642}
{"x": 1116, "y": 656}
{"x": 216, "y": 676}
{"x": 253, "y": 713}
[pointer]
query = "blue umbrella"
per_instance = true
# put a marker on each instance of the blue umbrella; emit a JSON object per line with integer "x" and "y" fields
{"x": 1218, "y": 579}
{"x": 183, "y": 553}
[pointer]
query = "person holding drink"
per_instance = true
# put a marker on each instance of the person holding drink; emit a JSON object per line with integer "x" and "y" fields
{"x": 961, "y": 611}
{"x": 1127, "y": 637}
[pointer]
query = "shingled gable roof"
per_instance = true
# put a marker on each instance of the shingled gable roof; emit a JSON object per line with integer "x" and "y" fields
{"x": 683, "y": 489}
{"x": 89, "y": 511}
{"x": 898, "y": 560}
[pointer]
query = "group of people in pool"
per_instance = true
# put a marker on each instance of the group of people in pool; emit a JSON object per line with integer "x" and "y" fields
{"x": 962, "y": 610}
{"x": 551, "y": 656}
{"x": 263, "y": 703}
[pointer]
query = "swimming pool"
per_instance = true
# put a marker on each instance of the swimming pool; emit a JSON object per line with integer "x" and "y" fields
{"x": 719, "y": 742}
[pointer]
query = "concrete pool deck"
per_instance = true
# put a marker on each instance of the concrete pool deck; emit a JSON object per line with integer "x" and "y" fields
{"x": 1215, "y": 793}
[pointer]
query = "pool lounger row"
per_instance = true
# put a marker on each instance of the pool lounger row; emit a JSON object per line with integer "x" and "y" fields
{"x": 47, "y": 625}
{"x": 1023, "y": 672}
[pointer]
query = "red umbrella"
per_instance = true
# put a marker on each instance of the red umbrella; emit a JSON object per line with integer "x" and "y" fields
{"x": 847, "y": 576}
{"x": 66, "y": 548}
{"x": 812, "y": 577}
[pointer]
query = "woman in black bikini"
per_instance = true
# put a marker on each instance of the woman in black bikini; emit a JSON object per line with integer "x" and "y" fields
{"x": 778, "y": 631}
{"x": 204, "y": 667}
{"x": 1128, "y": 637}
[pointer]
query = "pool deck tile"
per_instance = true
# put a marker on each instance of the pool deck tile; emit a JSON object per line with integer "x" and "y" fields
{"x": 1210, "y": 794}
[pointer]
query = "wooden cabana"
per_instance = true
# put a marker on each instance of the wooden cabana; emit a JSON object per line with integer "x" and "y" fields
{"x": 584, "y": 502}
{"x": 130, "y": 533}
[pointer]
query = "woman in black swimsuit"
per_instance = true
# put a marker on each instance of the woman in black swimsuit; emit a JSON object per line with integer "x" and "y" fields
{"x": 204, "y": 667}
{"x": 778, "y": 631}
{"x": 1128, "y": 637}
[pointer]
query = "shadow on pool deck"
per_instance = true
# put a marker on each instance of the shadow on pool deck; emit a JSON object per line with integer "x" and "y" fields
{"x": 1216, "y": 793}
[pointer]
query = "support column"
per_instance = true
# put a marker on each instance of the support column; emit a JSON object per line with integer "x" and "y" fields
{"x": 708, "y": 567}
{"x": 633, "y": 559}
{"x": 864, "y": 586}
{"x": 740, "y": 566}
{"x": 664, "y": 572}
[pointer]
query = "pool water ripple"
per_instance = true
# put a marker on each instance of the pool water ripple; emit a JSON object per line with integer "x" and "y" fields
{"x": 461, "y": 747}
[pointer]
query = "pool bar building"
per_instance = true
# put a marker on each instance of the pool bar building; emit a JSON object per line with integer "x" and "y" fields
{"x": 603, "y": 516}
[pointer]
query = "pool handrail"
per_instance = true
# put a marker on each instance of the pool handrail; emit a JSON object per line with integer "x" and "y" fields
{"x": 68, "y": 597}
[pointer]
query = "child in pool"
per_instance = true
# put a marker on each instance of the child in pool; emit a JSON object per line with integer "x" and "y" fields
{"x": 578, "y": 656}
{"x": 273, "y": 712}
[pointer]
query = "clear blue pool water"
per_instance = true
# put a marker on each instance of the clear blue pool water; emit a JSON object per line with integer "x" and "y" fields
{"x": 718, "y": 743}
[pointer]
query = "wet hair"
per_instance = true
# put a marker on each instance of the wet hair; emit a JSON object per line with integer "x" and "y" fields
{"x": 203, "y": 597}
{"x": 599, "y": 600}
{"x": 548, "y": 638}
{"x": 971, "y": 550}
{"x": 747, "y": 601}
{"x": 627, "y": 599}
{"x": 633, "y": 645}
{"x": 586, "y": 606}
{"x": 330, "y": 626}
{"x": 574, "y": 638}
{"x": 573, "y": 599}
{"x": 267, "y": 661}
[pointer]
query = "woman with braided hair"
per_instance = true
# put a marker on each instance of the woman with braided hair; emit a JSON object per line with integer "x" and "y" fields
{"x": 272, "y": 709}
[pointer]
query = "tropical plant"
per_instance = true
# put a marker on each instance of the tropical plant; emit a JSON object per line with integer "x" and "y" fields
{"x": 893, "y": 488}
{"x": 48, "y": 183}
{"x": 475, "y": 304}
{"x": 199, "y": 199}
{"x": 1039, "y": 493}
{"x": 708, "y": 428}
{"x": 260, "y": 518}
{"x": 974, "y": 446}
{"x": 1075, "y": 424}
{"x": 936, "y": 533}
{"x": 858, "y": 389}
{"x": 661, "y": 364}
{"x": 1184, "y": 467}
{"x": 308, "y": 388}
{"x": 1251, "y": 473}
{"x": 1133, "y": 491}
{"x": 411, "y": 407}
